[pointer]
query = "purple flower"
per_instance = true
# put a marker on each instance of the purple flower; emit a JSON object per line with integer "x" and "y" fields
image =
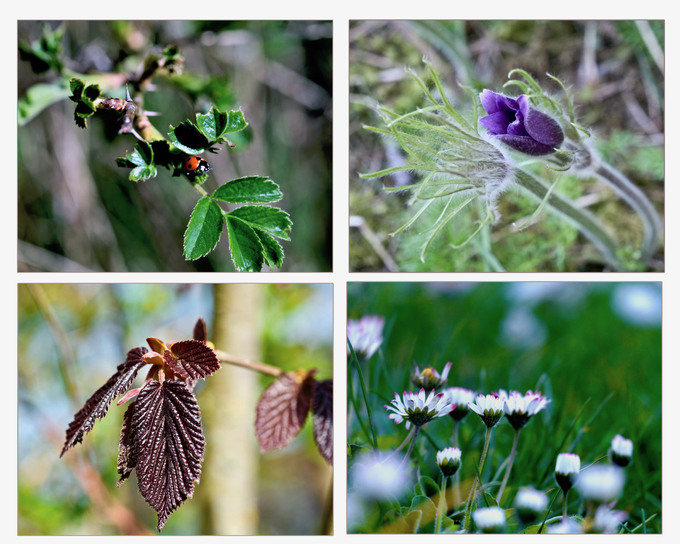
{"x": 517, "y": 124}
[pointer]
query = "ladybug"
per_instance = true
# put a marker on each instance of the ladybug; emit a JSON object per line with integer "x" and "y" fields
{"x": 195, "y": 166}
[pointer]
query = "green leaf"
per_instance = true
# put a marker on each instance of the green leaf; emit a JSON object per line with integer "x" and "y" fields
{"x": 236, "y": 122}
{"x": 213, "y": 123}
{"x": 429, "y": 486}
{"x": 77, "y": 88}
{"x": 248, "y": 189}
{"x": 141, "y": 161}
{"x": 204, "y": 229}
{"x": 244, "y": 244}
{"x": 188, "y": 138}
{"x": 273, "y": 252}
{"x": 39, "y": 97}
{"x": 92, "y": 92}
{"x": 269, "y": 219}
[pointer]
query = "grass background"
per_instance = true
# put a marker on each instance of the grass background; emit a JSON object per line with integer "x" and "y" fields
{"x": 593, "y": 348}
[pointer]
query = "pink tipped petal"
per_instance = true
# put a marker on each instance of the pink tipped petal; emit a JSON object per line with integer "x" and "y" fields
{"x": 445, "y": 372}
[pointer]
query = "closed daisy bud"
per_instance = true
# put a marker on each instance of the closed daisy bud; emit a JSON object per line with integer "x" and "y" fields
{"x": 489, "y": 408}
{"x": 529, "y": 503}
{"x": 567, "y": 470}
{"x": 601, "y": 483}
{"x": 606, "y": 520}
{"x": 490, "y": 520}
{"x": 621, "y": 451}
{"x": 429, "y": 378}
{"x": 565, "y": 527}
{"x": 449, "y": 461}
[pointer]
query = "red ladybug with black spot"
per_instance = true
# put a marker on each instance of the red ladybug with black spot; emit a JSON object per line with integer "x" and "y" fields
{"x": 195, "y": 166}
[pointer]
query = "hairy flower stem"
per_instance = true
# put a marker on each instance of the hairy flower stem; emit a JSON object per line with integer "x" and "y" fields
{"x": 410, "y": 448}
{"x": 637, "y": 200}
{"x": 564, "y": 507}
{"x": 456, "y": 476}
{"x": 473, "y": 489}
{"x": 586, "y": 223}
{"x": 511, "y": 460}
{"x": 441, "y": 509}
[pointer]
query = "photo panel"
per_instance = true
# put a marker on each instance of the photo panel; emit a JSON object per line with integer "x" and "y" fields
{"x": 199, "y": 409}
{"x": 175, "y": 146}
{"x": 518, "y": 146}
{"x": 527, "y": 407}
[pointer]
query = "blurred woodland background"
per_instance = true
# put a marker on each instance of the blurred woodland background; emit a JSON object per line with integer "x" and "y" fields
{"x": 78, "y": 211}
{"x": 593, "y": 348}
{"x": 72, "y": 337}
{"x": 615, "y": 74}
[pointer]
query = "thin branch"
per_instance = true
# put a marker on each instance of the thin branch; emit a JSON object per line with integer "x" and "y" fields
{"x": 255, "y": 366}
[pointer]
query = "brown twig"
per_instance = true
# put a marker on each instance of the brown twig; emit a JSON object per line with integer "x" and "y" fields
{"x": 262, "y": 368}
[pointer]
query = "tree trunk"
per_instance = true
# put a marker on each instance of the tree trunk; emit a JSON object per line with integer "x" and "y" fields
{"x": 228, "y": 407}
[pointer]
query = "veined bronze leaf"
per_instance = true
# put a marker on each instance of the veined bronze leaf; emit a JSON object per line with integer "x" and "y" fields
{"x": 322, "y": 419}
{"x": 192, "y": 359}
{"x": 282, "y": 409}
{"x": 200, "y": 330}
{"x": 126, "y": 457}
{"x": 98, "y": 404}
{"x": 168, "y": 445}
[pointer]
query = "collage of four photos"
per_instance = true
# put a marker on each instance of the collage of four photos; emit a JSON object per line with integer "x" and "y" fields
{"x": 162, "y": 390}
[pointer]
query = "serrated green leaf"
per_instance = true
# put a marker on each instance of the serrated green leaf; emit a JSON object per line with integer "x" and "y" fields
{"x": 204, "y": 229}
{"x": 77, "y": 88}
{"x": 245, "y": 246}
{"x": 188, "y": 138}
{"x": 92, "y": 92}
{"x": 248, "y": 189}
{"x": 141, "y": 161}
{"x": 267, "y": 218}
{"x": 272, "y": 250}
{"x": 213, "y": 123}
{"x": 236, "y": 122}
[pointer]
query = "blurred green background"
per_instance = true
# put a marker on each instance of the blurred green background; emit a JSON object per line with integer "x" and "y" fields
{"x": 594, "y": 347}
{"x": 78, "y": 211}
{"x": 616, "y": 79}
{"x": 86, "y": 334}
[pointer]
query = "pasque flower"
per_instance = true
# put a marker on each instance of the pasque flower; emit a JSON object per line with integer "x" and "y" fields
{"x": 520, "y": 126}
{"x": 429, "y": 378}
{"x": 417, "y": 408}
{"x": 621, "y": 451}
{"x": 365, "y": 334}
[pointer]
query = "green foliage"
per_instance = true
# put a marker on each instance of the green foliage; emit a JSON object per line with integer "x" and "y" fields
{"x": 40, "y": 96}
{"x": 45, "y": 53}
{"x": 141, "y": 161}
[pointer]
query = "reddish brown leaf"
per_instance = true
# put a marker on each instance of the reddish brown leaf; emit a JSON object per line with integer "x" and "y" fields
{"x": 192, "y": 359}
{"x": 126, "y": 459}
{"x": 98, "y": 404}
{"x": 322, "y": 419}
{"x": 168, "y": 445}
{"x": 282, "y": 409}
{"x": 200, "y": 330}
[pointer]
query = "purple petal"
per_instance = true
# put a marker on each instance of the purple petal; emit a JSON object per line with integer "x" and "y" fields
{"x": 526, "y": 144}
{"x": 497, "y": 123}
{"x": 488, "y": 100}
{"x": 541, "y": 127}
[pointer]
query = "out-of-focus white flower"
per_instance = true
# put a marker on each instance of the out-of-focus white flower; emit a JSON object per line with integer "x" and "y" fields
{"x": 638, "y": 303}
{"x": 621, "y": 451}
{"x": 606, "y": 520}
{"x": 490, "y": 520}
{"x": 521, "y": 329}
{"x": 601, "y": 483}
{"x": 365, "y": 335}
{"x": 377, "y": 476}
{"x": 429, "y": 378}
{"x": 529, "y": 503}
{"x": 417, "y": 408}
{"x": 460, "y": 397}
{"x": 567, "y": 470}
{"x": 565, "y": 527}
{"x": 519, "y": 409}
{"x": 489, "y": 408}
{"x": 449, "y": 461}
